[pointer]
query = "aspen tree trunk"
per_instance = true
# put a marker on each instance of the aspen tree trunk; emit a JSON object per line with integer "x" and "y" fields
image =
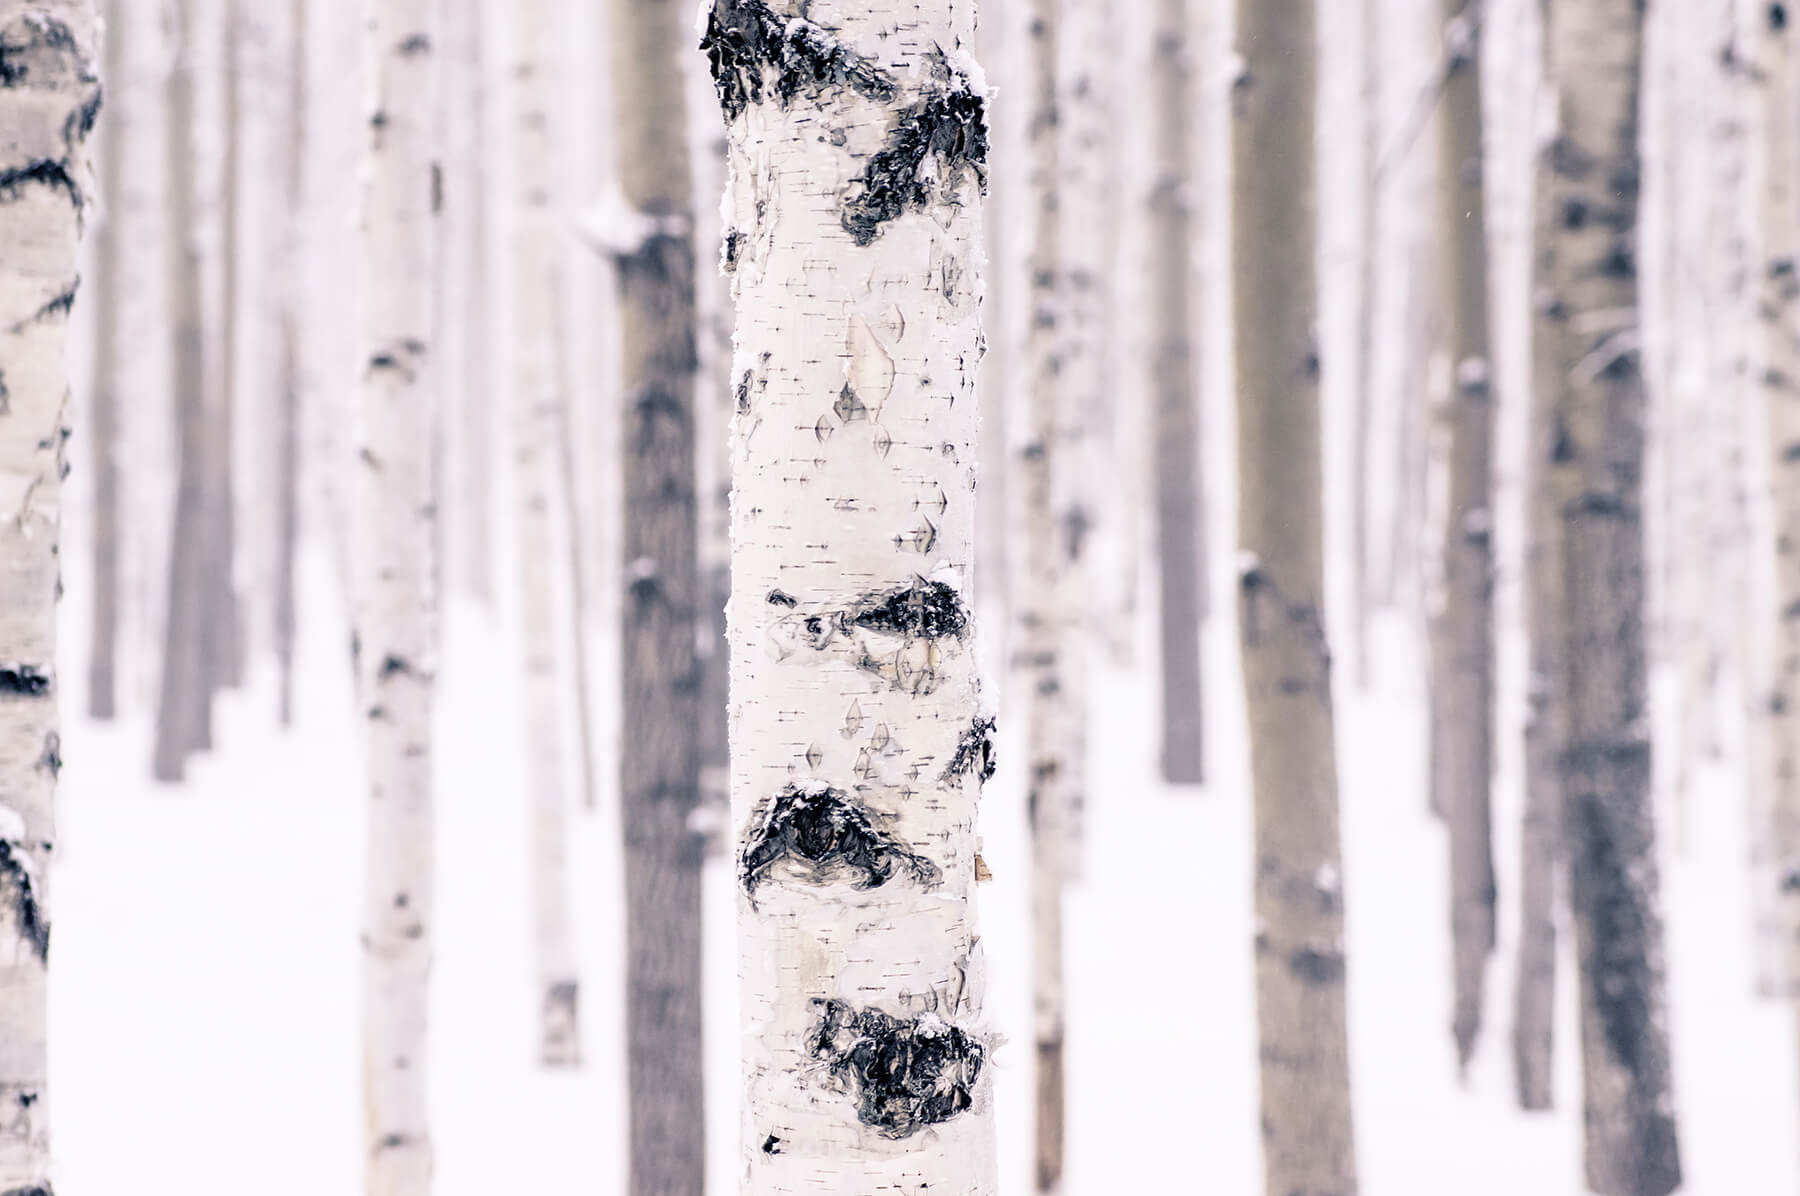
{"x": 185, "y": 697}
{"x": 49, "y": 99}
{"x": 1775, "y": 863}
{"x": 292, "y": 370}
{"x": 1546, "y": 484}
{"x": 476, "y": 417}
{"x": 859, "y": 741}
{"x": 1178, "y": 515}
{"x": 1363, "y": 419}
{"x": 660, "y": 764}
{"x": 1595, "y": 50}
{"x": 222, "y": 635}
{"x": 103, "y": 405}
{"x": 1308, "y": 1144}
{"x": 1463, "y": 709}
{"x": 396, "y": 618}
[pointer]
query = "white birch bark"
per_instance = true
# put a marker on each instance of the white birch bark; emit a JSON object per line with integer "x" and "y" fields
{"x": 49, "y": 99}
{"x": 537, "y": 428}
{"x": 859, "y": 744}
{"x": 396, "y": 615}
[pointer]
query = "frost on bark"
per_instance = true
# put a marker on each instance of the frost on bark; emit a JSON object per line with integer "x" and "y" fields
{"x": 537, "y": 430}
{"x": 858, "y": 144}
{"x": 1179, "y": 520}
{"x": 1462, "y": 714}
{"x": 1608, "y": 827}
{"x": 1775, "y": 862}
{"x": 49, "y": 101}
{"x": 1308, "y": 1145}
{"x": 396, "y": 604}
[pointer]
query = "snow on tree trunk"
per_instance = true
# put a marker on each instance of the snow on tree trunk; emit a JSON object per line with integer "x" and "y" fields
{"x": 859, "y": 740}
{"x": 1178, "y": 514}
{"x": 1308, "y": 1144}
{"x": 396, "y": 606}
{"x": 660, "y": 762}
{"x": 49, "y": 99}
{"x": 1605, "y": 759}
{"x": 103, "y": 403}
{"x": 537, "y": 430}
{"x": 1462, "y": 710}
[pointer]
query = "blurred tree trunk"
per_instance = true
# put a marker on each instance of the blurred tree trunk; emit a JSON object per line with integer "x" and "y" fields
{"x": 1363, "y": 418}
{"x": 1308, "y": 1144}
{"x": 1462, "y": 711}
{"x": 291, "y": 379}
{"x": 49, "y": 99}
{"x": 396, "y": 604}
{"x": 185, "y": 701}
{"x": 103, "y": 409}
{"x": 859, "y": 741}
{"x": 468, "y": 212}
{"x": 538, "y": 428}
{"x": 222, "y": 638}
{"x": 1595, "y": 53}
{"x": 660, "y": 765}
{"x": 1179, "y": 520}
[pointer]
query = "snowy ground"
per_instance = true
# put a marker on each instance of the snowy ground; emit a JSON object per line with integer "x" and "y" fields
{"x": 205, "y": 1024}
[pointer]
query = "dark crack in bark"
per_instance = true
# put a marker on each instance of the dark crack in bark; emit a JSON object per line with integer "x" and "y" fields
{"x": 833, "y": 836}
{"x": 904, "y": 1073}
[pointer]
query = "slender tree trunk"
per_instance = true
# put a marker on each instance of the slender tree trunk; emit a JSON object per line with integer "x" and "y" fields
{"x": 477, "y": 412}
{"x": 49, "y": 99}
{"x": 222, "y": 638}
{"x": 103, "y": 407}
{"x": 660, "y": 764}
{"x": 185, "y": 701}
{"x": 859, "y": 742}
{"x": 1178, "y": 515}
{"x": 1363, "y": 418}
{"x": 1307, "y": 1140}
{"x": 396, "y": 618}
{"x": 1595, "y": 49}
{"x": 291, "y": 379}
{"x": 538, "y": 427}
{"x": 1463, "y": 710}
{"x": 575, "y": 538}
{"x": 1534, "y": 994}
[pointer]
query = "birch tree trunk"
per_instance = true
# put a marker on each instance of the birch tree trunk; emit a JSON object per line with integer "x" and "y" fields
{"x": 396, "y": 619}
{"x": 185, "y": 697}
{"x": 103, "y": 404}
{"x": 1595, "y": 48}
{"x": 538, "y": 428}
{"x": 49, "y": 99}
{"x": 1308, "y": 1144}
{"x": 1463, "y": 710}
{"x": 469, "y": 292}
{"x": 859, "y": 742}
{"x": 291, "y": 378}
{"x": 222, "y": 637}
{"x": 1178, "y": 514}
{"x": 1369, "y": 246}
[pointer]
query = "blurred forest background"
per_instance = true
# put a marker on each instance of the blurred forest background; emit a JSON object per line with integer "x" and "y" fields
{"x": 1503, "y": 960}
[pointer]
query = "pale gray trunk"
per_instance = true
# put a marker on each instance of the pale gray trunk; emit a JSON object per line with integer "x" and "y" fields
{"x": 1363, "y": 417}
{"x": 223, "y": 633}
{"x": 1605, "y": 759}
{"x": 103, "y": 403}
{"x": 1179, "y": 519}
{"x": 659, "y": 763}
{"x": 1308, "y": 1144}
{"x": 471, "y": 292}
{"x": 291, "y": 376}
{"x": 1462, "y": 707}
{"x": 49, "y": 98}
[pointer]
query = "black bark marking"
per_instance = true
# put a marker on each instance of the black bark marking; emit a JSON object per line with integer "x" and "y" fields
{"x": 833, "y": 834}
{"x": 50, "y": 760}
{"x": 43, "y": 173}
{"x": 5, "y": 395}
{"x": 1777, "y": 16}
{"x": 34, "y": 1190}
{"x": 771, "y": 1145}
{"x": 974, "y": 751}
{"x": 734, "y": 250}
{"x": 23, "y": 46}
{"x": 782, "y": 598}
{"x": 393, "y": 666}
{"x": 1312, "y": 966}
{"x": 949, "y": 125}
{"x": 925, "y": 609}
{"x": 1621, "y": 982}
{"x": 21, "y": 900}
{"x": 23, "y": 680}
{"x": 904, "y": 1073}
{"x": 417, "y": 44}
{"x": 746, "y": 43}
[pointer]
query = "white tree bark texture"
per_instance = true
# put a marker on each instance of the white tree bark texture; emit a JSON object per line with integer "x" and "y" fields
{"x": 536, "y": 418}
{"x": 1608, "y": 823}
{"x": 49, "y": 101}
{"x": 1308, "y": 1141}
{"x": 859, "y": 740}
{"x": 393, "y": 567}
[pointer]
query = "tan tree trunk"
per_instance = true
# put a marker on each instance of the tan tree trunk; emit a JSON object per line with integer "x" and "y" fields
{"x": 1608, "y": 824}
{"x": 659, "y": 764}
{"x": 394, "y": 572}
{"x": 49, "y": 99}
{"x": 1462, "y": 709}
{"x": 1308, "y": 1145}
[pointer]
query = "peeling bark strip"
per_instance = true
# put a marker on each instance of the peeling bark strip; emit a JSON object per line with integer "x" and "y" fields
{"x": 19, "y": 898}
{"x": 831, "y": 833}
{"x": 903, "y": 1073}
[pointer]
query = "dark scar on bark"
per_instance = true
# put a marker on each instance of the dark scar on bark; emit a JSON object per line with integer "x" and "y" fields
{"x": 24, "y": 680}
{"x": 949, "y": 125}
{"x": 771, "y": 1145}
{"x": 21, "y": 899}
{"x": 974, "y": 751}
{"x": 833, "y": 835}
{"x": 928, "y": 609}
{"x": 23, "y": 42}
{"x": 37, "y": 1190}
{"x": 904, "y": 1073}
{"x": 745, "y": 40}
{"x": 782, "y": 598}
